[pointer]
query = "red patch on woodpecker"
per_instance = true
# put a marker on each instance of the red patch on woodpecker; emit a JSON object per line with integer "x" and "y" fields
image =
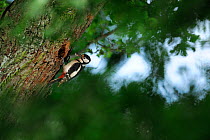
{"x": 62, "y": 75}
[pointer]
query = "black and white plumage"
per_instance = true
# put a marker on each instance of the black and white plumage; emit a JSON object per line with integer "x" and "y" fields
{"x": 72, "y": 69}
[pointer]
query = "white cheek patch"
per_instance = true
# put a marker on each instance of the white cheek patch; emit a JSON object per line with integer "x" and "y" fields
{"x": 86, "y": 60}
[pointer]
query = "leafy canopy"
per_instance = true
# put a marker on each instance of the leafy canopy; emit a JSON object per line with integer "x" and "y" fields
{"x": 139, "y": 23}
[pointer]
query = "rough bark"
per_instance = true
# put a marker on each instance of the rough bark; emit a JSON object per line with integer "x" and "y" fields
{"x": 29, "y": 59}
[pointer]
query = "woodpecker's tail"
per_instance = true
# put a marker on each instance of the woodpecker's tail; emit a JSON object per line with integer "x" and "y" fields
{"x": 57, "y": 79}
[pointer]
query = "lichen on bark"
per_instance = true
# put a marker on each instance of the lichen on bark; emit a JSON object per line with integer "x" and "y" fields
{"x": 33, "y": 45}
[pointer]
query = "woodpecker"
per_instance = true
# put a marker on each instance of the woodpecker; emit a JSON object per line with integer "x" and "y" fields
{"x": 72, "y": 69}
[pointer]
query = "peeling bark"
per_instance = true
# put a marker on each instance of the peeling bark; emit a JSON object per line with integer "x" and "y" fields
{"x": 33, "y": 60}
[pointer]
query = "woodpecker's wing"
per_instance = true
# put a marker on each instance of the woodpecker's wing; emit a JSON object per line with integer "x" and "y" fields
{"x": 74, "y": 70}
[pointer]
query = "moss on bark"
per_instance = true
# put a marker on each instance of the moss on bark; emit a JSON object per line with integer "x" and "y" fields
{"x": 31, "y": 43}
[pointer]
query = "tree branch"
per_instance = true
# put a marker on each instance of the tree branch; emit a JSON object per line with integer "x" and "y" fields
{"x": 112, "y": 49}
{"x": 101, "y": 37}
{"x": 95, "y": 40}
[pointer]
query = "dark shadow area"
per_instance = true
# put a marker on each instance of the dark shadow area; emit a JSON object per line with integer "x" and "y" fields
{"x": 85, "y": 108}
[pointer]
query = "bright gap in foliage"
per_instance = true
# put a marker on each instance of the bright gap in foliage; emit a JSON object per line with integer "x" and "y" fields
{"x": 187, "y": 74}
{"x": 97, "y": 64}
{"x": 133, "y": 69}
{"x": 182, "y": 74}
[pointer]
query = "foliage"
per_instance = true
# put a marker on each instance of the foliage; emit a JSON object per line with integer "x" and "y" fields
{"x": 72, "y": 112}
{"x": 3, "y": 5}
{"x": 139, "y": 23}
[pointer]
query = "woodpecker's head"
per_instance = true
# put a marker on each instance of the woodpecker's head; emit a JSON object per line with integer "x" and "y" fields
{"x": 85, "y": 58}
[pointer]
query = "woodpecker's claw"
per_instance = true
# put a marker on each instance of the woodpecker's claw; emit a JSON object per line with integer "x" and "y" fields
{"x": 63, "y": 63}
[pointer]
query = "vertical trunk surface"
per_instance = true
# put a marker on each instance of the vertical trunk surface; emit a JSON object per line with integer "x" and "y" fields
{"x": 34, "y": 42}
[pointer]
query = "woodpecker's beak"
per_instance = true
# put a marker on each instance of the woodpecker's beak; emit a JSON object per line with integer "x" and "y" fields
{"x": 78, "y": 54}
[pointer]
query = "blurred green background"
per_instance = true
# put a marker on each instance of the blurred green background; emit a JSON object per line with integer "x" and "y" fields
{"x": 87, "y": 109}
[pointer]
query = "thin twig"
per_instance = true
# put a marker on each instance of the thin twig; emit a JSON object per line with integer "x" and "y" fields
{"x": 103, "y": 36}
{"x": 104, "y": 46}
{"x": 97, "y": 39}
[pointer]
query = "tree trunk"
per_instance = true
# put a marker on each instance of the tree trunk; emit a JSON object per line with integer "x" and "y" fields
{"x": 34, "y": 42}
